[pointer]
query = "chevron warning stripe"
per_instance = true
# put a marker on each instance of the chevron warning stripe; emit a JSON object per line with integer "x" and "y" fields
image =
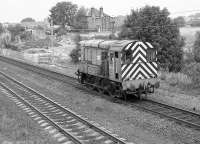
{"x": 139, "y": 67}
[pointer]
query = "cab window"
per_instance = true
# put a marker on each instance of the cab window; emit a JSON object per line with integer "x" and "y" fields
{"x": 127, "y": 56}
{"x": 151, "y": 55}
{"x": 111, "y": 58}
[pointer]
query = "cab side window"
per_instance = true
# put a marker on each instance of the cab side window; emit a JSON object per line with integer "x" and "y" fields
{"x": 127, "y": 56}
{"x": 111, "y": 58}
{"x": 151, "y": 55}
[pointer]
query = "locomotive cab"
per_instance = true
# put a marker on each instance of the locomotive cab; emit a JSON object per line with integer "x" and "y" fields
{"x": 139, "y": 68}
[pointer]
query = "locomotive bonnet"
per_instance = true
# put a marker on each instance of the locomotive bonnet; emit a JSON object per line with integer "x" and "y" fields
{"x": 119, "y": 67}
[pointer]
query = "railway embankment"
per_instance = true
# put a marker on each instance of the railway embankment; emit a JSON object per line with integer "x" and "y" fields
{"x": 129, "y": 122}
{"x": 167, "y": 93}
{"x": 16, "y": 127}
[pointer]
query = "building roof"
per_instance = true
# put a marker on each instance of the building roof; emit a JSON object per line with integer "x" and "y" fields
{"x": 96, "y": 13}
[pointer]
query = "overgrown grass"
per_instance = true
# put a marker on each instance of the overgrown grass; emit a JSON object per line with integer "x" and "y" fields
{"x": 17, "y": 127}
{"x": 188, "y": 78}
{"x": 176, "y": 79}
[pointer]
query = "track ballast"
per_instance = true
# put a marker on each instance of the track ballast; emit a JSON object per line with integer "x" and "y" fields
{"x": 179, "y": 115}
{"x": 69, "y": 127}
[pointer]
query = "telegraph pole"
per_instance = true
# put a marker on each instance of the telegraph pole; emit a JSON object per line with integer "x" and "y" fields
{"x": 52, "y": 33}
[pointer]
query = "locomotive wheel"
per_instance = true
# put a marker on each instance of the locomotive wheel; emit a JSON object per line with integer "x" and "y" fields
{"x": 107, "y": 87}
{"x": 123, "y": 95}
{"x": 152, "y": 89}
{"x": 139, "y": 93}
{"x": 82, "y": 78}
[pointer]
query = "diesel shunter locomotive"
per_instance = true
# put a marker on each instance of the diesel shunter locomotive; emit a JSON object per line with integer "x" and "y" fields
{"x": 119, "y": 67}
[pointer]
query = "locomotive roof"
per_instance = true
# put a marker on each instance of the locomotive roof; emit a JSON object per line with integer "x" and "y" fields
{"x": 115, "y": 45}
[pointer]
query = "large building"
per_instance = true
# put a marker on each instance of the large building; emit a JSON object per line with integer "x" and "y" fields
{"x": 98, "y": 20}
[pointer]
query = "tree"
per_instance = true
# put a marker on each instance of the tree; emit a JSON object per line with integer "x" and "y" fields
{"x": 1, "y": 28}
{"x": 180, "y": 21}
{"x": 153, "y": 25}
{"x": 196, "y": 47}
{"x": 5, "y": 39}
{"x": 63, "y": 14}
{"x": 28, "y": 19}
{"x": 15, "y": 31}
{"x": 80, "y": 21}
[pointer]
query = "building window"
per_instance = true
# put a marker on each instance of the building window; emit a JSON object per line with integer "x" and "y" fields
{"x": 116, "y": 55}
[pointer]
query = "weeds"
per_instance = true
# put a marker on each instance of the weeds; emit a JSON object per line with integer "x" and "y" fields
{"x": 176, "y": 79}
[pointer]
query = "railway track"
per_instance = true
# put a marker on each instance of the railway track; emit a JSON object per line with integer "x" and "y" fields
{"x": 179, "y": 115}
{"x": 65, "y": 125}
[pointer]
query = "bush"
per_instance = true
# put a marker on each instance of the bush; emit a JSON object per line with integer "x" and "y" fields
{"x": 193, "y": 71}
{"x": 188, "y": 58}
{"x": 13, "y": 47}
{"x": 75, "y": 54}
{"x": 178, "y": 79}
{"x": 60, "y": 31}
{"x": 15, "y": 30}
{"x": 5, "y": 39}
{"x": 175, "y": 79}
{"x": 196, "y": 47}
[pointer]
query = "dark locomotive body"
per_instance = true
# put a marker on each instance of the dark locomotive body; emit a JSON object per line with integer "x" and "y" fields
{"x": 119, "y": 67}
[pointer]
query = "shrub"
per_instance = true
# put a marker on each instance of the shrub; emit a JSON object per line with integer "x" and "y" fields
{"x": 193, "y": 71}
{"x": 60, "y": 31}
{"x": 5, "y": 39}
{"x": 188, "y": 58}
{"x": 75, "y": 54}
{"x": 13, "y": 47}
{"x": 178, "y": 79}
{"x": 175, "y": 79}
{"x": 196, "y": 47}
{"x": 15, "y": 31}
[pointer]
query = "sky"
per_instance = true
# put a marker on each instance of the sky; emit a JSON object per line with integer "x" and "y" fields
{"x": 15, "y": 10}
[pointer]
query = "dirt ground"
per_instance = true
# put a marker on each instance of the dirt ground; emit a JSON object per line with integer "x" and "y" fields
{"x": 129, "y": 122}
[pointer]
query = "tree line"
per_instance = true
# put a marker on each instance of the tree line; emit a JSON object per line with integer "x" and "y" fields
{"x": 150, "y": 23}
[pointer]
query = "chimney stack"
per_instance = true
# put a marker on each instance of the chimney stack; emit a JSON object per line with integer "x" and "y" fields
{"x": 101, "y": 11}
{"x": 92, "y": 12}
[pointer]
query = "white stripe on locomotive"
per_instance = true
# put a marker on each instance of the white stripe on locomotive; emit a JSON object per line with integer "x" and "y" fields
{"x": 133, "y": 47}
{"x": 147, "y": 69}
{"x": 128, "y": 46}
{"x": 137, "y": 57}
{"x": 149, "y": 44}
{"x": 127, "y": 69}
{"x": 138, "y": 49}
{"x": 137, "y": 71}
{"x": 133, "y": 69}
{"x": 152, "y": 68}
{"x": 139, "y": 77}
{"x": 123, "y": 67}
{"x": 141, "y": 43}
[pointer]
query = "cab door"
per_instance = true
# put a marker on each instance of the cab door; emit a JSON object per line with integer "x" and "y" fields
{"x": 104, "y": 64}
{"x": 116, "y": 65}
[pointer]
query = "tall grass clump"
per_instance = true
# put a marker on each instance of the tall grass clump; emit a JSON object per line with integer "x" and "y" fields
{"x": 176, "y": 79}
{"x": 75, "y": 53}
{"x": 193, "y": 71}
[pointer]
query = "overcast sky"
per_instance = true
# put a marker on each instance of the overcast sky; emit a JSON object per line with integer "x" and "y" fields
{"x": 16, "y": 10}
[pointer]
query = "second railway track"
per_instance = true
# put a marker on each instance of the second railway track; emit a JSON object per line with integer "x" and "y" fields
{"x": 71, "y": 128}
